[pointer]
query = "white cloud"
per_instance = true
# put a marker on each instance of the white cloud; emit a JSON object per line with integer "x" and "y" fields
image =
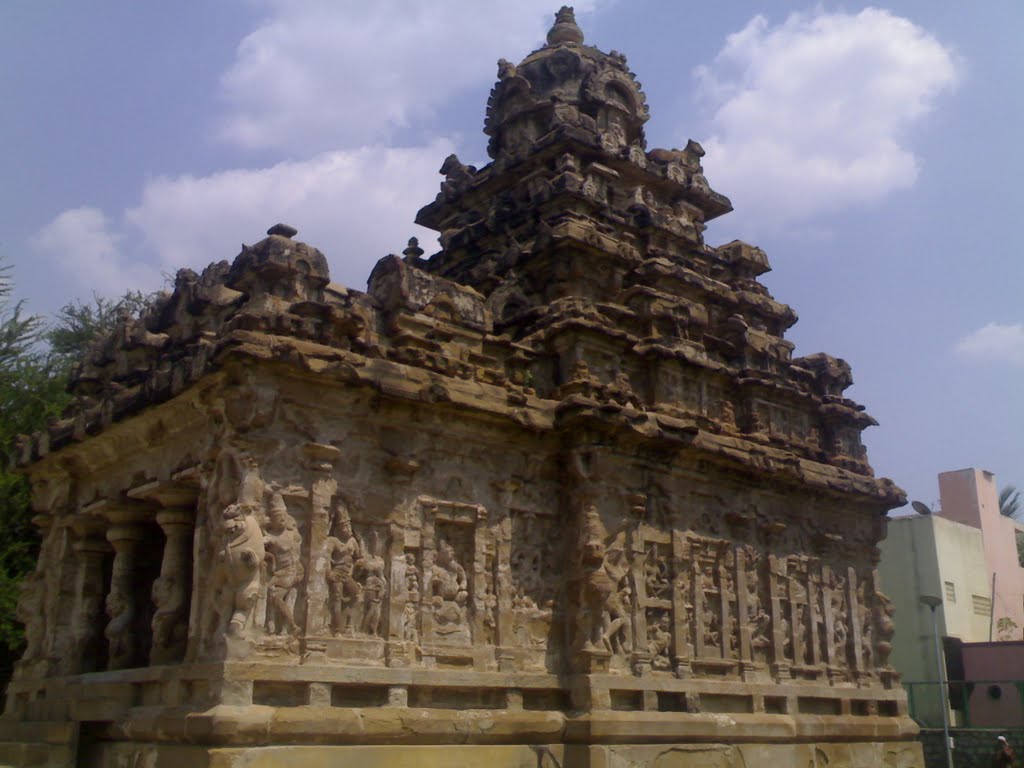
{"x": 994, "y": 343}
{"x": 808, "y": 117}
{"x": 324, "y": 83}
{"x": 82, "y": 245}
{"x": 320, "y": 75}
{"x": 356, "y": 206}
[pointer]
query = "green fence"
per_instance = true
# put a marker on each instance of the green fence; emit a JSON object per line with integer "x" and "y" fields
{"x": 974, "y": 704}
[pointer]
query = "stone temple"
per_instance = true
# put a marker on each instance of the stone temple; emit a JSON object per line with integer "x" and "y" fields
{"x": 556, "y": 495}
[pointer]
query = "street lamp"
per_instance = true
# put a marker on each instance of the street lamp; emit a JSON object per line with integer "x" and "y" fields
{"x": 934, "y": 602}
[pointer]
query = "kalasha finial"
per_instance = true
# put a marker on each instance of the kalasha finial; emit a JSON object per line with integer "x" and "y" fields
{"x": 413, "y": 252}
{"x": 565, "y": 29}
{"x": 284, "y": 230}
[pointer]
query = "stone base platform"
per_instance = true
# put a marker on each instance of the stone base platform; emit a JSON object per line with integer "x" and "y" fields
{"x": 237, "y": 737}
{"x": 847, "y": 755}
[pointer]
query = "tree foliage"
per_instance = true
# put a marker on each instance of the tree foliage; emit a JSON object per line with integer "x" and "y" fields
{"x": 35, "y": 363}
{"x": 1009, "y": 502}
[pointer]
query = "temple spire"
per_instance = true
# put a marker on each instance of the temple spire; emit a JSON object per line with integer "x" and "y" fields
{"x": 565, "y": 29}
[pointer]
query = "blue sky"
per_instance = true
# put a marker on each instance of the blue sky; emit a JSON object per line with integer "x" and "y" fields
{"x": 873, "y": 152}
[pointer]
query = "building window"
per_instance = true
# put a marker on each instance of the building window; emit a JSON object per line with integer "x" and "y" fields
{"x": 950, "y": 591}
{"x": 982, "y": 605}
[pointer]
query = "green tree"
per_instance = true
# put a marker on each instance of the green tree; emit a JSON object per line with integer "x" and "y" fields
{"x": 79, "y": 324}
{"x": 1009, "y": 502}
{"x": 31, "y": 391}
{"x": 35, "y": 363}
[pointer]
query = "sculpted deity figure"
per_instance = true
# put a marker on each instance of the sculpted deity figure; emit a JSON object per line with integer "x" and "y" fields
{"x": 283, "y": 544}
{"x": 171, "y": 602}
{"x": 659, "y": 638}
{"x": 803, "y": 630}
{"x": 448, "y": 590}
{"x": 712, "y": 630}
{"x": 708, "y": 578}
{"x": 345, "y": 593}
{"x": 656, "y": 575}
{"x": 412, "y": 579}
{"x": 236, "y": 569}
{"x": 607, "y": 622}
{"x": 883, "y": 612}
{"x": 374, "y": 587}
{"x": 787, "y": 638}
{"x": 119, "y": 634}
{"x": 410, "y": 633}
{"x": 614, "y": 136}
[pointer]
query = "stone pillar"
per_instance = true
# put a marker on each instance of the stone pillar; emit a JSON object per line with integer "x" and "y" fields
{"x": 122, "y": 643}
{"x": 171, "y": 594}
{"x": 826, "y": 602}
{"x": 742, "y": 603}
{"x": 503, "y": 581}
{"x": 700, "y": 609}
{"x": 683, "y": 601}
{"x": 720, "y": 571}
{"x": 854, "y": 625}
{"x": 816, "y": 617}
{"x": 87, "y": 615}
{"x": 777, "y": 586}
{"x": 324, "y": 486}
{"x": 476, "y": 578}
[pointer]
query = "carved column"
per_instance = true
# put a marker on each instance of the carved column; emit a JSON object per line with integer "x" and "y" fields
{"x": 636, "y": 545}
{"x": 683, "y": 601}
{"x": 826, "y": 602}
{"x": 743, "y": 563}
{"x": 777, "y": 586}
{"x": 700, "y": 609}
{"x": 477, "y": 577}
{"x": 87, "y": 616}
{"x": 853, "y": 622}
{"x": 171, "y": 590}
{"x": 815, "y": 617}
{"x": 798, "y": 597}
{"x": 322, "y": 459}
{"x": 503, "y": 583}
{"x": 122, "y": 643}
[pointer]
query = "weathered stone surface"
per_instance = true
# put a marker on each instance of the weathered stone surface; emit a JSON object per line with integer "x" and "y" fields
{"x": 558, "y": 494}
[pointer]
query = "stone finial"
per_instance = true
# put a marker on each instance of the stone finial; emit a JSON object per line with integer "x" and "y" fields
{"x": 283, "y": 230}
{"x": 413, "y": 252}
{"x": 565, "y": 29}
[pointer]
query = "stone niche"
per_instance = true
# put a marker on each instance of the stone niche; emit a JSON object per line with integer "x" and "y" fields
{"x": 556, "y": 495}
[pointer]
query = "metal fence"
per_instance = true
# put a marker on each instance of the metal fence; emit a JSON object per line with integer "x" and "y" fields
{"x": 974, "y": 704}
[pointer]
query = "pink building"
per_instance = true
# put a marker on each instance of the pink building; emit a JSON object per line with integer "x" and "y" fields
{"x": 957, "y": 555}
{"x": 996, "y": 699}
{"x": 969, "y": 496}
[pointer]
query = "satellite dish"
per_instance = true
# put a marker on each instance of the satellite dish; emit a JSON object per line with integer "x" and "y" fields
{"x": 921, "y": 508}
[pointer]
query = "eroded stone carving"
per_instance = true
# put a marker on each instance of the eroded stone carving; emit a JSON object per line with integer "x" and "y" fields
{"x": 282, "y": 544}
{"x": 374, "y": 586}
{"x": 235, "y": 582}
{"x": 169, "y": 628}
{"x": 30, "y": 612}
{"x": 345, "y": 592}
{"x": 448, "y": 596}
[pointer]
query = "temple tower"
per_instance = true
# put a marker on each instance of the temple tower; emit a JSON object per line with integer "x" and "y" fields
{"x": 557, "y": 494}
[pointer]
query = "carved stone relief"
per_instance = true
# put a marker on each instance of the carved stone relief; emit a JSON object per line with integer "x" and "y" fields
{"x": 235, "y": 579}
{"x": 283, "y": 546}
